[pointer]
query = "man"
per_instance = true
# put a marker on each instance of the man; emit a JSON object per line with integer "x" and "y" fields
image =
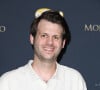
{"x": 48, "y": 36}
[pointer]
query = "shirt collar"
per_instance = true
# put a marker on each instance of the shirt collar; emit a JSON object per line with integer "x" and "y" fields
{"x": 36, "y": 77}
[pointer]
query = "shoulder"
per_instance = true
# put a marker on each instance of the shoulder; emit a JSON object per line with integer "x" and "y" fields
{"x": 73, "y": 76}
{"x": 14, "y": 74}
{"x": 18, "y": 72}
{"x": 71, "y": 72}
{"x": 14, "y": 77}
{"x": 67, "y": 69}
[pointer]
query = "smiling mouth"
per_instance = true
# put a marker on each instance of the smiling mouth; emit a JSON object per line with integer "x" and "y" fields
{"x": 49, "y": 50}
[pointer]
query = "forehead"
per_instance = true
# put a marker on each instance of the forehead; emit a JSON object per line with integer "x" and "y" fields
{"x": 45, "y": 26}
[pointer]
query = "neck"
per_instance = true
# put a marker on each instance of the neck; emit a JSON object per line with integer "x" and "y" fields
{"x": 43, "y": 69}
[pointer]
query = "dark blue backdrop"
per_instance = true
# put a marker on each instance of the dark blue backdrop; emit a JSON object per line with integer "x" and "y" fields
{"x": 83, "y": 17}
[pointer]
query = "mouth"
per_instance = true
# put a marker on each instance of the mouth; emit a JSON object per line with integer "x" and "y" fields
{"x": 49, "y": 50}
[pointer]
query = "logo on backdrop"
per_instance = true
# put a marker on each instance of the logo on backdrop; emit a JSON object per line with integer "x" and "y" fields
{"x": 2, "y": 28}
{"x": 92, "y": 27}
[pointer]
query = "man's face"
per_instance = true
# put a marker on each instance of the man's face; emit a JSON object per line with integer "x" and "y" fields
{"x": 48, "y": 41}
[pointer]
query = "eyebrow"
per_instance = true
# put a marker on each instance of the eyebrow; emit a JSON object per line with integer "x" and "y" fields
{"x": 48, "y": 34}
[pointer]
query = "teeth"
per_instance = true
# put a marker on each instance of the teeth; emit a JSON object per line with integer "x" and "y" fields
{"x": 48, "y": 49}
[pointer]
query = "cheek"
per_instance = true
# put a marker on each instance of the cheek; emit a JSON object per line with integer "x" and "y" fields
{"x": 59, "y": 44}
{"x": 39, "y": 42}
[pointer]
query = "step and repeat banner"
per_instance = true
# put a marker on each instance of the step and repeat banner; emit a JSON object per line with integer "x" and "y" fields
{"x": 83, "y": 17}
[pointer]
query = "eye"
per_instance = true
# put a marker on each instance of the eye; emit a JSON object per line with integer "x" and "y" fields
{"x": 56, "y": 37}
{"x": 44, "y": 35}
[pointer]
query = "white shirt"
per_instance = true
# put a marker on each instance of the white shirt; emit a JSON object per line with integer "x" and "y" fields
{"x": 25, "y": 78}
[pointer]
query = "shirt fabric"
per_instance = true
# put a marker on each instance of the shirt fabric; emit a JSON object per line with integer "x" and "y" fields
{"x": 25, "y": 78}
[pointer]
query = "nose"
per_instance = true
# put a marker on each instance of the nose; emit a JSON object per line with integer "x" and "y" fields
{"x": 50, "y": 41}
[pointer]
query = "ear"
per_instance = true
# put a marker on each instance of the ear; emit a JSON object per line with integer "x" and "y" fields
{"x": 63, "y": 44}
{"x": 31, "y": 39}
